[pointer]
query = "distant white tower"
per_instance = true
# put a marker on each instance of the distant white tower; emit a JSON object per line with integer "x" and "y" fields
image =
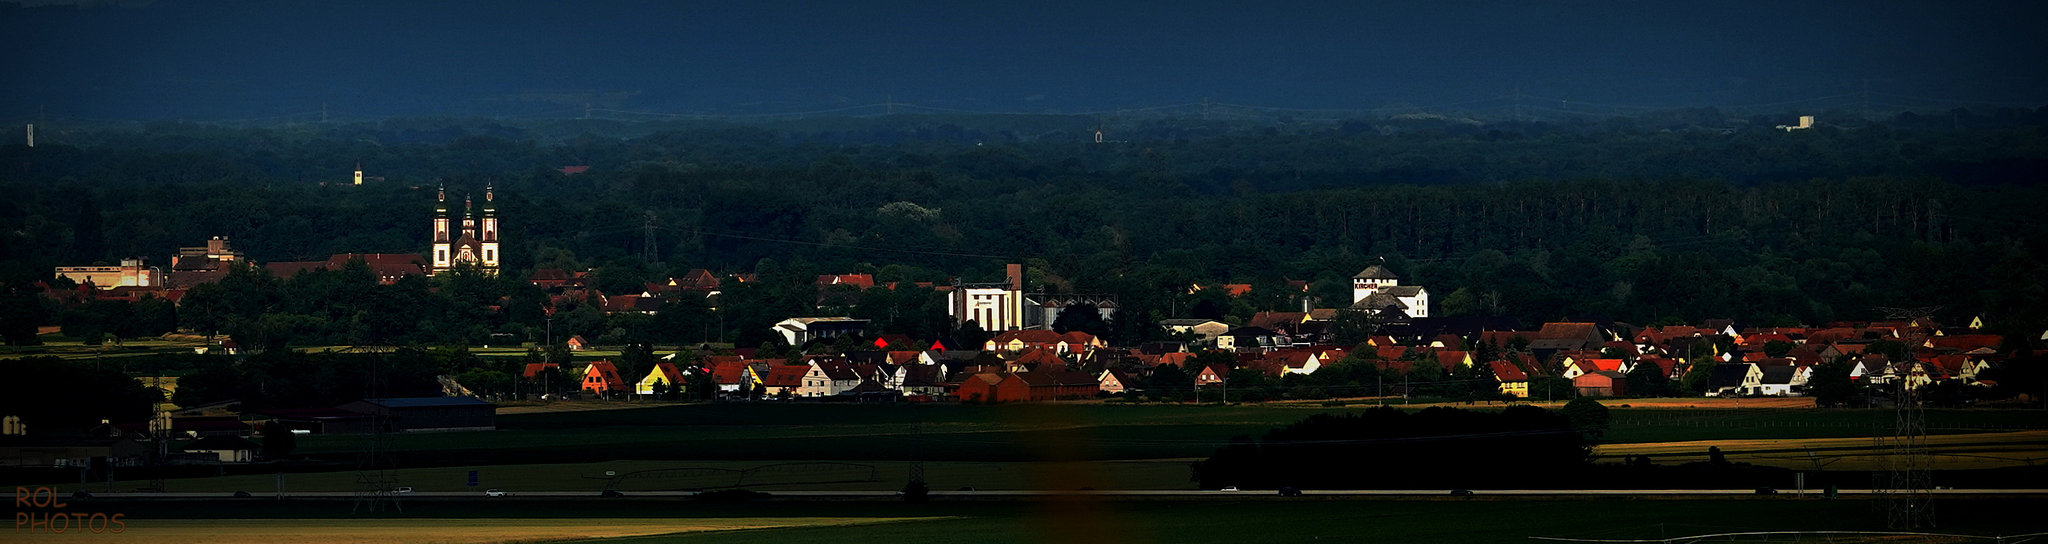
{"x": 31, "y": 134}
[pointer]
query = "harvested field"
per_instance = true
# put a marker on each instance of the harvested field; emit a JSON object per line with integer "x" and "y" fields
{"x": 1950, "y": 452}
{"x": 426, "y": 531}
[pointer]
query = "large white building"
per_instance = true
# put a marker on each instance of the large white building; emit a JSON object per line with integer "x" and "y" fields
{"x": 1376, "y": 288}
{"x": 135, "y": 272}
{"x": 992, "y": 306}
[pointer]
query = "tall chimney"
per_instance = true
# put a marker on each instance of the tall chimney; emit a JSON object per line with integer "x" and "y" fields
{"x": 1016, "y": 272}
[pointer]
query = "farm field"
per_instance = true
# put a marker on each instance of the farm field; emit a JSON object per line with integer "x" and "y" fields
{"x": 681, "y": 475}
{"x": 1447, "y": 522}
{"x": 422, "y": 531}
{"x": 1477, "y": 519}
{"x": 71, "y": 349}
{"x": 569, "y": 446}
{"x": 1949, "y": 452}
{"x": 770, "y": 430}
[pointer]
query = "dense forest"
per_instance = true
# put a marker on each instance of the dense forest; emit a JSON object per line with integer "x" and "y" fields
{"x": 1671, "y": 215}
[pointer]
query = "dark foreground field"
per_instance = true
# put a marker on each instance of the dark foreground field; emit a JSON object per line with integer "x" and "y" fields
{"x": 1006, "y": 433}
{"x": 1077, "y": 519}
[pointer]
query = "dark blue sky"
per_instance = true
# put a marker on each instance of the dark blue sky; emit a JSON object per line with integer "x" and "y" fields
{"x": 240, "y": 60}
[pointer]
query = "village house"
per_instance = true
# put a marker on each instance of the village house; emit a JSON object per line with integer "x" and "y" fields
{"x": 827, "y": 377}
{"x": 1203, "y": 329}
{"x": 1027, "y": 387}
{"x": 799, "y": 331}
{"x": 1601, "y": 383}
{"x": 789, "y": 381}
{"x": 1732, "y": 379}
{"x": 665, "y": 373}
{"x": 601, "y": 378}
{"x": 1513, "y": 382}
{"x": 1116, "y": 382}
{"x": 1376, "y": 288}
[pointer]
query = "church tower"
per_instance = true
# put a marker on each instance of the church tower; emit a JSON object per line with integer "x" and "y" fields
{"x": 490, "y": 234}
{"x": 443, "y": 251}
{"x": 468, "y": 246}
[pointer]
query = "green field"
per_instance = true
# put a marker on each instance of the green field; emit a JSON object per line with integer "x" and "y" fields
{"x": 683, "y": 475}
{"x": 1110, "y": 446}
{"x": 1448, "y": 520}
{"x": 72, "y": 349}
{"x": 770, "y": 430}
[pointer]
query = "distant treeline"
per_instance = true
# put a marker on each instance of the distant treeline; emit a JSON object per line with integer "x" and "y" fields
{"x": 1690, "y": 215}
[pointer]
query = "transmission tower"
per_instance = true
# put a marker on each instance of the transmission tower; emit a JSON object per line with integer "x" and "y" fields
{"x": 1908, "y": 504}
{"x": 647, "y": 251}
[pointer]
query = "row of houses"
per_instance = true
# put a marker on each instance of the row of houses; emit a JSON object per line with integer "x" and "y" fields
{"x": 1595, "y": 356}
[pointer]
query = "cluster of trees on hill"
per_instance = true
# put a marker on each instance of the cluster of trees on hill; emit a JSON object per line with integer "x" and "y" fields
{"x": 1529, "y": 220}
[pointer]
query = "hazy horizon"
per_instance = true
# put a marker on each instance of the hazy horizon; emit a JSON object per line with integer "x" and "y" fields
{"x": 236, "y": 60}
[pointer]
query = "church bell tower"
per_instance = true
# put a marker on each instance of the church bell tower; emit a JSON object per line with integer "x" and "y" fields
{"x": 442, "y": 242}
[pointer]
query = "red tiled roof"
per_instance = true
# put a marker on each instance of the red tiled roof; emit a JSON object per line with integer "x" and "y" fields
{"x": 1029, "y": 337}
{"x": 1508, "y": 372}
{"x": 606, "y": 372}
{"x": 1966, "y": 342}
{"x": 1567, "y": 331}
{"x": 861, "y": 281}
{"x": 668, "y": 371}
{"x": 1451, "y": 359}
{"x": 785, "y": 376}
{"x": 1278, "y": 320}
{"x": 534, "y": 369}
{"x": 728, "y": 372}
{"x": 1179, "y": 358}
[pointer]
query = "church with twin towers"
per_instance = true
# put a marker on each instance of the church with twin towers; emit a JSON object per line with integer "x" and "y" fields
{"x": 475, "y": 245}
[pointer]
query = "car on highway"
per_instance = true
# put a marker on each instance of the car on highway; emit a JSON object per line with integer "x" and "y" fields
{"x": 1461, "y": 492}
{"x": 493, "y": 493}
{"x": 402, "y": 490}
{"x": 611, "y": 493}
{"x": 1229, "y": 489}
{"x": 1290, "y": 492}
{"x": 1766, "y": 491}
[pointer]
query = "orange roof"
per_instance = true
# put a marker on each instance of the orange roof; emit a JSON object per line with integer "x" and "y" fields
{"x": 1179, "y": 358}
{"x": 785, "y": 376}
{"x": 862, "y": 281}
{"x": 668, "y": 372}
{"x": 728, "y": 372}
{"x": 1038, "y": 337}
{"x": 1508, "y": 372}
{"x": 1566, "y": 331}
